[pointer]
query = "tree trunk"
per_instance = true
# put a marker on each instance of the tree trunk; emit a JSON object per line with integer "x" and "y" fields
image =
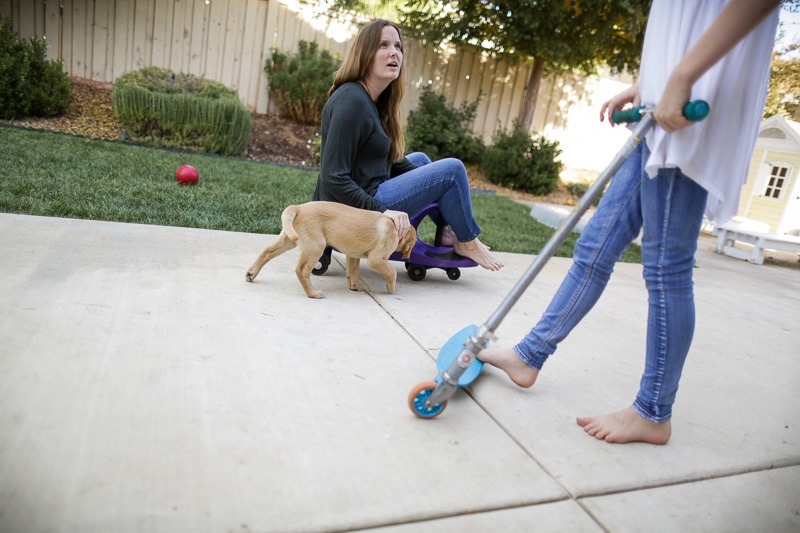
{"x": 531, "y": 93}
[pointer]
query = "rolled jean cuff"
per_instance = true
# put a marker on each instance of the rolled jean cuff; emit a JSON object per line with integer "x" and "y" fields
{"x": 528, "y": 360}
{"x": 647, "y": 415}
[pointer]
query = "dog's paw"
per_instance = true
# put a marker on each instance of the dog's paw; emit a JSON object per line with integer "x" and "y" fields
{"x": 316, "y": 294}
{"x": 249, "y": 276}
{"x": 389, "y": 289}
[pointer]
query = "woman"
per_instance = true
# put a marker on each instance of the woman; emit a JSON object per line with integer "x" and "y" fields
{"x": 362, "y": 162}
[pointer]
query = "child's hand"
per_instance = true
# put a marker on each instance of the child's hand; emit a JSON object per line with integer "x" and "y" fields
{"x": 669, "y": 110}
{"x": 628, "y": 96}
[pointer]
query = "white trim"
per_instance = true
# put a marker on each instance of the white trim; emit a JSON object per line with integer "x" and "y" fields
{"x": 778, "y": 121}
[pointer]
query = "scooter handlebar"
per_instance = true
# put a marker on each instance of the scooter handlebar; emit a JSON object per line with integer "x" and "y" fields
{"x": 696, "y": 110}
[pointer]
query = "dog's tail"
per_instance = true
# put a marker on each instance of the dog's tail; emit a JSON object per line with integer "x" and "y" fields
{"x": 287, "y": 217}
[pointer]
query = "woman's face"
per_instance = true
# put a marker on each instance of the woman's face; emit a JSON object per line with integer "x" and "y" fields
{"x": 388, "y": 60}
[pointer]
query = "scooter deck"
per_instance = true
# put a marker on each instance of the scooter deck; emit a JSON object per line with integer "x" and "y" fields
{"x": 451, "y": 349}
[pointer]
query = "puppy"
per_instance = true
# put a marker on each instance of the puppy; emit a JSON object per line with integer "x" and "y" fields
{"x": 355, "y": 232}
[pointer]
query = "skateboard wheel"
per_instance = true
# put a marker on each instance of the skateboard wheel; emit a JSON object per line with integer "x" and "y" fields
{"x": 453, "y": 273}
{"x": 417, "y": 397}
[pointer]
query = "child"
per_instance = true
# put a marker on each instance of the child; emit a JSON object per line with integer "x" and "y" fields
{"x": 694, "y": 49}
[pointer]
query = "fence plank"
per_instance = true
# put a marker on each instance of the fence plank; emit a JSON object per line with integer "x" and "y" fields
{"x": 99, "y": 41}
{"x": 162, "y": 29}
{"x": 27, "y": 19}
{"x": 78, "y": 27}
{"x": 52, "y": 30}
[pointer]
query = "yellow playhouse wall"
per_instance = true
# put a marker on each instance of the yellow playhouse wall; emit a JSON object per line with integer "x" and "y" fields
{"x": 769, "y": 210}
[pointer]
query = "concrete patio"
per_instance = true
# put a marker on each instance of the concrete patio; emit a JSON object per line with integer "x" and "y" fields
{"x": 146, "y": 387}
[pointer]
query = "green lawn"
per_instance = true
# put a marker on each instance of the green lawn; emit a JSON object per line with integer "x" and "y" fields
{"x": 52, "y": 174}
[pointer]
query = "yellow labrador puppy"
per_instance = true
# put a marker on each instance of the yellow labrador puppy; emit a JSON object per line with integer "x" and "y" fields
{"x": 355, "y": 232}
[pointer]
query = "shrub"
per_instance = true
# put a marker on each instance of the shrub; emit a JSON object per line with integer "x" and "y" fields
{"x": 299, "y": 83}
{"x": 182, "y": 110}
{"x": 441, "y": 130}
{"x": 30, "y": 85}
{"x": 518, "y": 161}
{"x": 579, "y": 188}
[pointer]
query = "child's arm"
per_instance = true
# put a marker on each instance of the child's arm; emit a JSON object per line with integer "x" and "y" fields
{"x": 734, "y": 22}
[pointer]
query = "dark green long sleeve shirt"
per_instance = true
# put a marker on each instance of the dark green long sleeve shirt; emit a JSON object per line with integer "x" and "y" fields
{"x": 354, "y": 158}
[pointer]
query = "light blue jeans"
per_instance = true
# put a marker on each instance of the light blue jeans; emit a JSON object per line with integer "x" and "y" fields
{"x": 443, "y": 181}
{"x": 670, "y": 210}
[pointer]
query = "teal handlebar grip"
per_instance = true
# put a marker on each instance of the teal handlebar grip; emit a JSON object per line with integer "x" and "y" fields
{"x": 633, "y": 114}
{"x": 696, "y": 110}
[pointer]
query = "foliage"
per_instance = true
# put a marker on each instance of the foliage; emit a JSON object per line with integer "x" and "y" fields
{"x": 315, "y": 147}
{"x": 440, "y": 130}
{"x": 30, "y": 85}
{"x": 579, "y": 188}
{"x": 784, "y": 84}
{"x": 374, "y": 9}
{"x": 299, "y": 83}
{"x": 574, "y": 35}
{"x": 181, "y": 110}
{"x": 518, "y": 161}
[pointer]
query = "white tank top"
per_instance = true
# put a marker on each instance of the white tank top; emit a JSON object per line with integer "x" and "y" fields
{"x": 715, "y": 152}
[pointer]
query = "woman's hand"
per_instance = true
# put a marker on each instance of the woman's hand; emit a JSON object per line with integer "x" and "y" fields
{"x": 628, "y": 96}
{"x": 400, "y": 219}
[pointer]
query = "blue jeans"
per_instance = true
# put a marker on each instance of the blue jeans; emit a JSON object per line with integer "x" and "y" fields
{"x": 670, "y": 210}
{"x": 444, "y": 181}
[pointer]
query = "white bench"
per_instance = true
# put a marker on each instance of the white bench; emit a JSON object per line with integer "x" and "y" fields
{"x": 736, "y": 230}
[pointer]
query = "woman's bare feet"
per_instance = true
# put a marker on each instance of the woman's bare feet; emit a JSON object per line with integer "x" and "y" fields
{"x": 625, "y": 426}
{"x": 506, "y": 359}
{"x": 478, "y": 252}
{"x": 448, "y": 236}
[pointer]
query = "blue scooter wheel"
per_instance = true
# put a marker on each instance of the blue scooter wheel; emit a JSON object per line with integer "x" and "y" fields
{"x": 416, "y": 400}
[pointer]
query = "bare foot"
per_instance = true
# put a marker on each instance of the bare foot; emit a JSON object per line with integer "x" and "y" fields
{"x": 626, "y": 426}
{"x": 506, "y": 359}
{"x": 449, "y": 237}
{"x": 478, "y": 252}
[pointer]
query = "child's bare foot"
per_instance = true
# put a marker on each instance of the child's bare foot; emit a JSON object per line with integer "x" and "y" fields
{"x": 626, "y": 426}
{"x": 478, "y": 252}
{"x": 506, "y": 359}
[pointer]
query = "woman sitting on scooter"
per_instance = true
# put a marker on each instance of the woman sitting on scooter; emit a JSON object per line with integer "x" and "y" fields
{"x": 361, "y": 159}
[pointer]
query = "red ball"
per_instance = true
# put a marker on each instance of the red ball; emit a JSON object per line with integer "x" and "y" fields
{"x": 187, "y": 174}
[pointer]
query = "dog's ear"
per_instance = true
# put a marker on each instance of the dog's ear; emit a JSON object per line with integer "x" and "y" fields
{"x": 408, "y": 242}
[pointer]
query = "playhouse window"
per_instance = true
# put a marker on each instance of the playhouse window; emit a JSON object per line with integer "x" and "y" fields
{"x": 777, "y": 181}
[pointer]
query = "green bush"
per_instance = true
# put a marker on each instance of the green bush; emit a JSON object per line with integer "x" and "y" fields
{"x": 299, "y": 83}
{"x": 181, "y": 110}
{"x": 579, "y": 188}
{"x": 521, "y": 162}
{"x": 30, "y": 85}
{"x": 440, "y": 130}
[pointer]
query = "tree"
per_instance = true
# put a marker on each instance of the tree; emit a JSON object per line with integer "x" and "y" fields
{"x": 784, "y": 84}
{"x": 553, "y": 35}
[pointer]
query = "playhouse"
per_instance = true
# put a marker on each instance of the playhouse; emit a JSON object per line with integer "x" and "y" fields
{"x": 769, "y": 206}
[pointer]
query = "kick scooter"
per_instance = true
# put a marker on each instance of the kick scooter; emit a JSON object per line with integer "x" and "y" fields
{"x": 457, "y": 361}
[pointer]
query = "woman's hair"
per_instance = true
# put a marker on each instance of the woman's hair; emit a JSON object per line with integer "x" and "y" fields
{"x": 356, "y": 68}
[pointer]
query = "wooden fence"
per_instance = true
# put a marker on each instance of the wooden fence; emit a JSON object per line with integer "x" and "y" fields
{"x": 230, "y": 40}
